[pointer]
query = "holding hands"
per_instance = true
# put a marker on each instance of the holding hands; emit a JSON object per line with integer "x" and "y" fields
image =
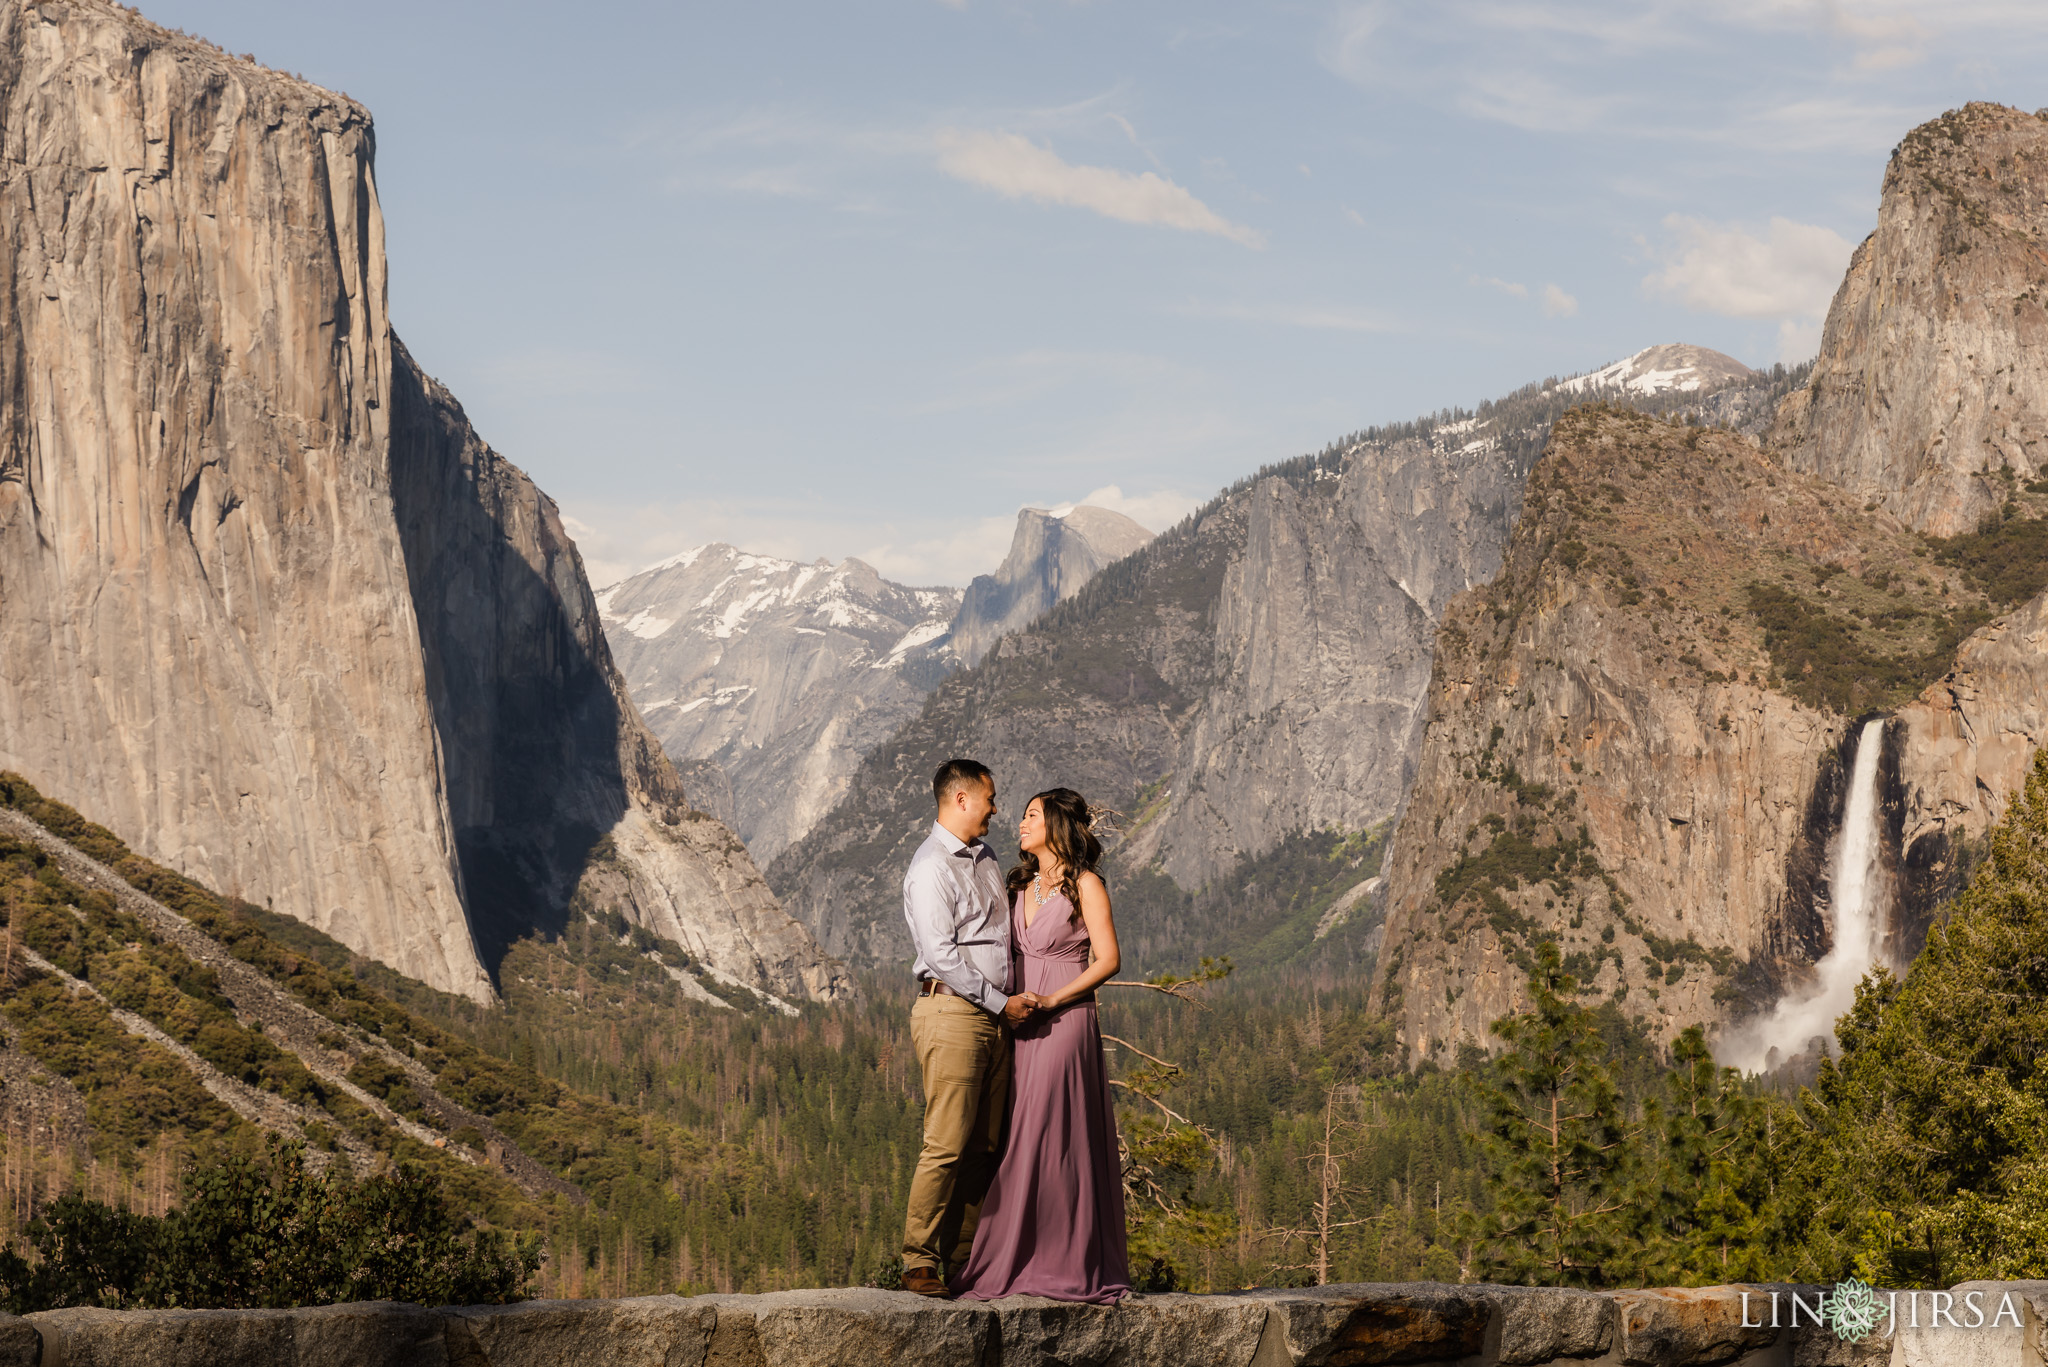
{"x": 1021, "y": 1007}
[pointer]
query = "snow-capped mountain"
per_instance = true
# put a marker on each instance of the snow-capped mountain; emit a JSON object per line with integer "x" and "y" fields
{"x": 773, "y": 677}
{"x": 1674, "y": 367}
{"x": 766, "y": 680}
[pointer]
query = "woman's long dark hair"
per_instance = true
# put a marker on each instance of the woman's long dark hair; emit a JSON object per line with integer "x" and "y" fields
{"x": 1069, "y": 830}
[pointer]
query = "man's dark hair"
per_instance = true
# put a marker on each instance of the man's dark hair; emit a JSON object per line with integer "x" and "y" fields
{"x": 955, "y": 772}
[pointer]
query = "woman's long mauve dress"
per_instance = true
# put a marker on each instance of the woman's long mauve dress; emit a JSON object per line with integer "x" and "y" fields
{"x": 1053, "y": 1223}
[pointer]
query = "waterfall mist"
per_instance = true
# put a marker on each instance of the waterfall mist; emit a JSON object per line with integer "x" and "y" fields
{"x": 1858, "y": 905}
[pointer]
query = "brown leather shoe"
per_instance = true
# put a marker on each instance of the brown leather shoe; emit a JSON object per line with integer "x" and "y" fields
{"x": 923, "y": 1281}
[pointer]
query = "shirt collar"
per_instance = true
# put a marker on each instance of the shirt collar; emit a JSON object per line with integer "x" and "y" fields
{"x": 954, "y": 844}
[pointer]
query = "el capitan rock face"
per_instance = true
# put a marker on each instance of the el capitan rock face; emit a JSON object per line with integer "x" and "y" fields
{"x": 205, "y": 628}
{"x": 1930, "y": 379}
{"x": 266, "y": 603}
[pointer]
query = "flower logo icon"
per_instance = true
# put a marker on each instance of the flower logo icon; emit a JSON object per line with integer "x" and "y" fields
{"x": 1853, "y": 1309}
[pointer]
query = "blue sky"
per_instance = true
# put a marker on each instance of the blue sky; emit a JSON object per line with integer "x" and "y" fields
{"x": 863, "y": 277}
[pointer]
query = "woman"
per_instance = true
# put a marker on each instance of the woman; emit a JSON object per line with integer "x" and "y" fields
{"x": 1053, "y": 1222}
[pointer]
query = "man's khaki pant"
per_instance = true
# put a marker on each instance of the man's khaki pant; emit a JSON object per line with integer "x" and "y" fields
{"x": 964, "y": 1054}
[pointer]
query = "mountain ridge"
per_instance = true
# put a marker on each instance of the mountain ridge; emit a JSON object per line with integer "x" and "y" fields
{"x": 1283, "y": 628}
{"x": 769, "y": 678}
{"x": 1053, "y": 554}
{"x": 771, "y": 670}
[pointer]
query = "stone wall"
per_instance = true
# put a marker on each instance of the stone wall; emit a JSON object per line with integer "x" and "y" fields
{"x": 1333, "y": 1326}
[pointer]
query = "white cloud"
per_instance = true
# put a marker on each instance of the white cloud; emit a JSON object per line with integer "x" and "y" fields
{"x": 1591, "y": 65}
{"x": 1504, "y": 286}
{"x": 1884, "y": 41}
{"x": 1155, "y": 512}
{"x": 1792, "y": 270}
{"x": 1018, "y": 168}
{"x": 1798, "y": 338}
{"x": 1354, "y": 217}
{"x": 1789, "y": 274}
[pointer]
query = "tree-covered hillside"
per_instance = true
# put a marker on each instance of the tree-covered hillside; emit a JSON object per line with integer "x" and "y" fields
{"x": 682, "y": 1144}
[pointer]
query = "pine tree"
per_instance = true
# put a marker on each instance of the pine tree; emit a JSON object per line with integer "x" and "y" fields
{"x": 1556, "y": 1145}
{"x": 1926, "y": 1151}
{"x": 1695, "y": 1227}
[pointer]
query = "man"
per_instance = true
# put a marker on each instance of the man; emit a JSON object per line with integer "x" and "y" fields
{"x": 960, "y": 923}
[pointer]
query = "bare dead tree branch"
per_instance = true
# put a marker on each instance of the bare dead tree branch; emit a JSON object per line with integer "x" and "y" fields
{"x": 1112, "y": 1039}
{"x": 1180, "y": 991}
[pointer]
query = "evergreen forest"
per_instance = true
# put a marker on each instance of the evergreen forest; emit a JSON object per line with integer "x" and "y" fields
{"x": 1278, "y": 1136}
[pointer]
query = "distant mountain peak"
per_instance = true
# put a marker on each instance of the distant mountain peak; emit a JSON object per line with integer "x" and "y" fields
{"x": 774, "y": 673}
{"x": 1673, "y": 367}
{"x": 1053, "y": 553}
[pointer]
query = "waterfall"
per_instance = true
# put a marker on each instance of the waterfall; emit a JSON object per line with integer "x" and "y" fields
{"x": 1858, "y": 903}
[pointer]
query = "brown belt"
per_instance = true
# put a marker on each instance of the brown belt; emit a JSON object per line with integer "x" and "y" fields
{"x": 932, "y": 987}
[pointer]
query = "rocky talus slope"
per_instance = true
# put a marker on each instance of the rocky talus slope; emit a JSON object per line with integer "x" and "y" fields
{"x": 778, "y": 675}
{"x": 1053, "y": 554}
{"x": 1930, "y": 381}
{"x": 362, "y": 1084}
{"x": 1628, "y": 726}
{"x": 266, "y": 601}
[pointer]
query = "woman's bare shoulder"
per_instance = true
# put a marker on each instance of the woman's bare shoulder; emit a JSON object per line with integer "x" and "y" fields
{"x": 1091, "y": 881}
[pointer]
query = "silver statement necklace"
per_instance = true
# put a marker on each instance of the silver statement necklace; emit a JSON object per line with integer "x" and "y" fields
{"x": 1039, "y": 895}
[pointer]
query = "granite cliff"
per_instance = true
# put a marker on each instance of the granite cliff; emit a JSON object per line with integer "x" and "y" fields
{"x": 775, "y": 677}
{"x": 1929, "y": 382}
{"x": 1258, "y": 671}
{"x": 1930, "y": 398}
{"x": 1630, "y": 728}
{"x": 1053, "y": 554}
{"x": 1639, "y": 733}
{"x": 266, "y": 602}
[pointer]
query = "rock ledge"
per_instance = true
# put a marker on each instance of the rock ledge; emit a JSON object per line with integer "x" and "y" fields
{"x": 1331, "y": 1326}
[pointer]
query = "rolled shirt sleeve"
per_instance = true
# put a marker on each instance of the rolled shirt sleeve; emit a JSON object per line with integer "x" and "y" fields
{"x": 928, "y": 905}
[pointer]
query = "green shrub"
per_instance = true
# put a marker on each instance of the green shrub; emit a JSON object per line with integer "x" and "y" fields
{"x": 269, "y": 1232}
{"x": 1827, "y": 661}
{"x": 2006, "y": 560}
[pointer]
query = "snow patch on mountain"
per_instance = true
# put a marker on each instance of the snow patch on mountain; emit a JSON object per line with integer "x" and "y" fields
{"x": 1676, "y": 366}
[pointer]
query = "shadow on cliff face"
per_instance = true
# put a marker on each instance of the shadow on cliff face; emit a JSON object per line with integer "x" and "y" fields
{"x": 518, "y": 673}
{"x": 1927, "y": 873}
{"x": 1919, "y": 879}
